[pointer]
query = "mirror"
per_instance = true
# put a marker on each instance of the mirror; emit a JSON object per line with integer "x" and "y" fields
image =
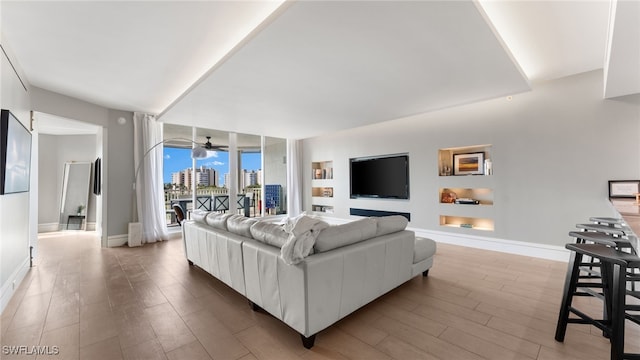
{"x": 75, "y": 196}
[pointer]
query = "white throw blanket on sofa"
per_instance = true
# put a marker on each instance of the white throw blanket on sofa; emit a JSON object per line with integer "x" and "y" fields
{"x": 303, "y": 231}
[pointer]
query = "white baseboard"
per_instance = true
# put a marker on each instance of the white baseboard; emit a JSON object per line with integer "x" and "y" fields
{"x": 9, "y": 287}
{"x": 122, "y": 240}
{"x": 50, "y": 227}
{"x": 173, "y": 235}
{"x": 117, "y": 240}
{"x": 550, "y": 252}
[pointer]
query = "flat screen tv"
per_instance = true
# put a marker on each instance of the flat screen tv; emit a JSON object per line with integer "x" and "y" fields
{"x": 380, "y": 177}
{"x": 15, "y": 154}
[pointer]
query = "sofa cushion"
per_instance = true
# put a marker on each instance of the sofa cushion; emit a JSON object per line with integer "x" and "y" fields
{"x": 199, "y": 216}
{"x": 391, "y": 224}
{"x": 240, "y": 225}
{"x": 268, "y": 233}
{"x": 423, "y": 249}
{"x": 345, "y": 234}
{"x": 218, "y": 221}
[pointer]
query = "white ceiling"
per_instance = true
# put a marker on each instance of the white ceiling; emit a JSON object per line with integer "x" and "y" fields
{"x": 311, "y": 67}
{"x": 322, "y": 66}
{"x": 128, "y": 55}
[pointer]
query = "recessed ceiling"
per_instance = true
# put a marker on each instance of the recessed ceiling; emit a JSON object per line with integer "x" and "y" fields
{"x": 324, "y": 66}
{"x": 552, "y": 39}
{"x": 302, "y": 68}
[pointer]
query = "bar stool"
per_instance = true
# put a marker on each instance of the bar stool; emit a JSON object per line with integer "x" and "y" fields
{"x": 606, "y": 225}
{"x": 605, "y": 229}
{"x": 616, "y": 228}
{"x": 607, "y": 239}
{"x": 611, "y": 238}
{"x": 611, "y": 221}
{"x": 614, "y": 264}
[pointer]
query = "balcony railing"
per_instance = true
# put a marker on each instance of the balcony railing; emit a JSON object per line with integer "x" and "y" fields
{"x": 205, "y": 200}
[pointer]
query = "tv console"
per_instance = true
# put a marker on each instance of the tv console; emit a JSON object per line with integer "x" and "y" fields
{"x": 370, "y": 213}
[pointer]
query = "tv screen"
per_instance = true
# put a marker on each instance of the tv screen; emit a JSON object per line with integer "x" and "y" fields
{"x": 15, "y": 154}
{"x": 380, "y": 177}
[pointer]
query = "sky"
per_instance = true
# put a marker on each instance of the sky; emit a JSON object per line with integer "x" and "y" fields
{"x": 179, "y": 159}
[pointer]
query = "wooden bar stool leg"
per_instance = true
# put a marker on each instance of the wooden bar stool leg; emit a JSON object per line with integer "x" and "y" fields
{"x": 618, "y": 311}
{"x": 606, "y": 270}
{"x": 570, "y": 285}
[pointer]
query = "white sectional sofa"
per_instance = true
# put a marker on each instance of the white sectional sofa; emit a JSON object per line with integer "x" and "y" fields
{"x": 346, "y": 267}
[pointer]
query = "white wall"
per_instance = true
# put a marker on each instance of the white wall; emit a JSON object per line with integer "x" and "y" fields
{"x": 16, "y": 224}
{"x": 55, "y": 151}
{"x": 119, "y": 176}
{"x": 553, "y": 151}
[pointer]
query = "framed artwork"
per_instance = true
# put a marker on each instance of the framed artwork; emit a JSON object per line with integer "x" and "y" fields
{"x": 468, "y": 164}
{"x": 624, "y": 188}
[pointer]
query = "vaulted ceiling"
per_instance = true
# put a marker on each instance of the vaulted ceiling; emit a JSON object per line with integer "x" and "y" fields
{"x": 299, "y": 69}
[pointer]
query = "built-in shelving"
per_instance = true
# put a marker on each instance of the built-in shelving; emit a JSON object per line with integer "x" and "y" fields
{"x": 322, "y": 170}
{"x": 322, "y": 191}
{"x": 465, "y": 174}
{"x": 464, "y": 161}
{"x": 453, "y": 221}
{"x": 483, "y": 196}
{"x": 322, "y": 188}
{"x": 322, "y": 208}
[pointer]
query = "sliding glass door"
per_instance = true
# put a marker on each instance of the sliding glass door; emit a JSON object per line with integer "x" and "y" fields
{"x": 249, "y": 170}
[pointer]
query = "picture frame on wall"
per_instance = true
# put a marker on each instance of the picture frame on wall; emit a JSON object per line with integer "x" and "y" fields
{"x": 623, "y": 188}
{"x": 468, "y": 164}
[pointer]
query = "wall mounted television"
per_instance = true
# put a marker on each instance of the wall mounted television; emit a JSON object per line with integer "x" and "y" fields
{"x": 15, "y": 154}
{"x": 380, "y": 177}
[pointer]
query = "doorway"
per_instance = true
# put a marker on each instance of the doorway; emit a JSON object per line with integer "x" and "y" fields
{"x": 67, "y": 154}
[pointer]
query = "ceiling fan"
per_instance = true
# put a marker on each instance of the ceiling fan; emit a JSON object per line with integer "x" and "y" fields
{"x": 209, "y": 146}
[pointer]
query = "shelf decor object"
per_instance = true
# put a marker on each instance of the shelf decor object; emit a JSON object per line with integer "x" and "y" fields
{"x": 468, "y": 164}
{"x": 624, "y": 188}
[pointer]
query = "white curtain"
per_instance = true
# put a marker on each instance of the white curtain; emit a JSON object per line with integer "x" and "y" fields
{"x": 294, "y": 178}
{"x": 148, "y": 147}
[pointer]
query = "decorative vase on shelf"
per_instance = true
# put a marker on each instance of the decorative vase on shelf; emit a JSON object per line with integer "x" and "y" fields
{"x": 488, "y": 167}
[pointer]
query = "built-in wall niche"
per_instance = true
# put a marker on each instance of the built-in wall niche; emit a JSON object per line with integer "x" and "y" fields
{"x": 322, "y": 170}
{"x": 466, "y": 160}
{"x": 483, "y": 224}
{"x": 322, "y": 208}
{"x": 322, "y": 191}
{"x": 483, "y": 196}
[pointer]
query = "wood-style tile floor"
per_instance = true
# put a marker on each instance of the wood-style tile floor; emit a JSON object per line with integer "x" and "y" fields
{"x": 147, "y": 303}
